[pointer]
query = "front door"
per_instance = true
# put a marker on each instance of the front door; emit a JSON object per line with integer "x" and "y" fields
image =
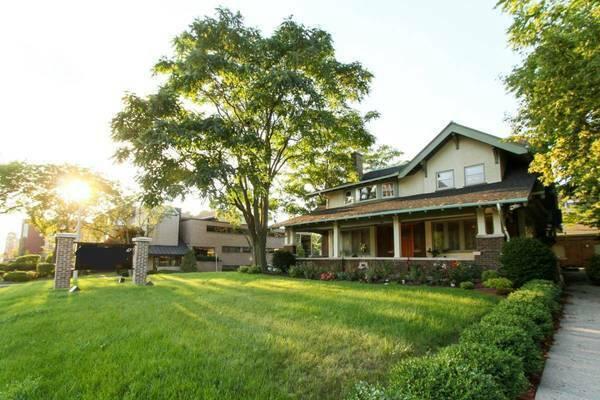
{"x": 413, "y": 239}
{"x": 385, "y": 241}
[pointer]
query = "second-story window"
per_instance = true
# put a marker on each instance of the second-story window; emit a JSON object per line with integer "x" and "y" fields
{"x": 474, "y": 174}
{"x": 445, "y": 179}
{"x": 387, "y": 190}
{"x": 368, "y": 192}
{"x": 348, "y": 198}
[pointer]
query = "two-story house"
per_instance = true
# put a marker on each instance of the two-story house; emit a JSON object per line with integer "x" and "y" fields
{"x": 459, "y": 198}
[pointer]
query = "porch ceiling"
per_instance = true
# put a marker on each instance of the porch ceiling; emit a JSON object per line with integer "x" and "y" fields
{"x": 515, "y": 188}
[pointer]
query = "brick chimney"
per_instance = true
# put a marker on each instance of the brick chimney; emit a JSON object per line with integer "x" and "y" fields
{"x": 357, "y": 160}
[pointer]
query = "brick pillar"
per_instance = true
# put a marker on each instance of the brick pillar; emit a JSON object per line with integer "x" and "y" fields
{"x": 64, "y": 260}
{"x": 489, "y": 248}
{"x": 140, "y": 259}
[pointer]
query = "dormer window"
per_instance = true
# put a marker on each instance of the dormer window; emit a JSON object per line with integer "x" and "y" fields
{"x": 368, "y": 193}
{"x": 475, "y": 174}
{"x": 348, "y": 197}
{"x": 445, "y": 179}
{"x": 387, "y": 190}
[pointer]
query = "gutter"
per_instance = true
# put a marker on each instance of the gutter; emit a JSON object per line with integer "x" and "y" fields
{"x": 409, "y": 211}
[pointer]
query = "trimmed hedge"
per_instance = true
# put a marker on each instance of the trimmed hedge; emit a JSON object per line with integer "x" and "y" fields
{"x": 524, "y": 259}
{"x": 45, "y": 269}
{"x": 492, "y": 358}
{"x": 26, "y": 263}
{"x": 19, "y": 276}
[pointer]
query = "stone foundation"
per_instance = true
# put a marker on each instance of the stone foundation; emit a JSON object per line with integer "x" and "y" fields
{"x": 490, "y": 248}
{"x": 64, "y": 260}
{"x": 140, "y": 259}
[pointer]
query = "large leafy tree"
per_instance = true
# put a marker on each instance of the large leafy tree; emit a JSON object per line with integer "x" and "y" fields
{"x": 236, "y": 108}
{"x": 558, "y": 88}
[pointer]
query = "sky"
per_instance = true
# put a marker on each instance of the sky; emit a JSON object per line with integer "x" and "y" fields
{"x": 66, "y": 65}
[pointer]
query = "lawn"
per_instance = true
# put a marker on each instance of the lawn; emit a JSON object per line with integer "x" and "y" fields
{"x": 219, "y": 336}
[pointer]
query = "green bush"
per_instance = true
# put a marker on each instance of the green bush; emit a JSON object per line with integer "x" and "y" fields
{"x": 505, "y": 368}
{"x": 243, "y": 269}
{"x": 26, "y": 263}
{"x": 254, "y": 269}
{"x": 188, "y": 263}
{"x": 343, "y": 276}
{"x": 489, "y": 274}
{"x": 524, "y": 259}
{"x": 462, "y": 272}
{"x": 6, "y": 267}
{"x": 50, "y": 258}
{"x": 19, "y": 276}
{"x": 365, "y": 391}
{"x": 441, "y": 377}
{"x": 511, "y": 339}
{"x": 592, "y": 269}
{"x": 283, "y": 260}
{"x": 502, "y": 285}
{"x": 467, "y": 285}
{"x": 45, "y": 269}
{"x": 296, "y": 271}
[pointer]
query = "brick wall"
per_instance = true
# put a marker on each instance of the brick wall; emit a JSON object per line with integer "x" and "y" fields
{"x": 64, "y": 260}
{"x": 140, "y": 259}
{"x": 490, "y": 249}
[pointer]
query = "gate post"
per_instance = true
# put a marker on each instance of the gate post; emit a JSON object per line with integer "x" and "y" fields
{"x": 140, "y": 259}
{"x": 64, "y": 260}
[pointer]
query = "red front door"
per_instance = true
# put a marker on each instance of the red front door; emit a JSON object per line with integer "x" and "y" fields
{"x": 413, "y": 239}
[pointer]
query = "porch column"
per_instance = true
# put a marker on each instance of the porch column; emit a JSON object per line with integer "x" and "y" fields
{"x": 497, "y": 222}
{"x": 330, "y": 243}
{"x": 480, "y": 222}
{"x": 336, "y": 240}
{"x": 290, "y": 236}
{"x": 140, "y": 259}
{"x": 64, "y": 260}
{"x": 397, "y": 237}
{"x": 372, "y": 241}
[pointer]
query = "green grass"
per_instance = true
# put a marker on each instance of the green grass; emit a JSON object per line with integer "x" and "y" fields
{"x": 218, "y": 336}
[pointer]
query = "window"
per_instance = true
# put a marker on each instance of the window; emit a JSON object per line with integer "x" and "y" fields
{"x": 348, "y": 197}
{"x": 445, "y": 179}
{"x": 236, "y": 249}
{"x": 225, "y": 229}
{"x": 167, "y": 261}
{"x": 368, "y": 192}
{"x": 387, "y": 190}
{"x": 470, "y": 232}
{"x": 454, "y": 235}
{"x": 474, "y": 174}
{"x": 204, "y": 251}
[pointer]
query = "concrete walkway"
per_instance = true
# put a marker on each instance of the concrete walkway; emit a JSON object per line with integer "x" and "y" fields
{"x": 573, "y": 368}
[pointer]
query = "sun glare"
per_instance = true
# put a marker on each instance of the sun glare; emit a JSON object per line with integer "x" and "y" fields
{"x": 75, "y": 191}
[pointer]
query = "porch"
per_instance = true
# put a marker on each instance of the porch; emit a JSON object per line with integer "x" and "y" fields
{"x": 472, "y": 234}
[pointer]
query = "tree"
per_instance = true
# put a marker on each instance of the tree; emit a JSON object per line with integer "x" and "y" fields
{"x": 236, "y": 108}
{"x": 558, "y": 88}
{"x": 188, "y": 262}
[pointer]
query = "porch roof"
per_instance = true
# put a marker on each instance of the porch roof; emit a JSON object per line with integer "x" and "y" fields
{"x": 516, "y": 187}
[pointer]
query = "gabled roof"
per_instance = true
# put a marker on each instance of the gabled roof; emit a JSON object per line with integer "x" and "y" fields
{"x": 450, "y": 129}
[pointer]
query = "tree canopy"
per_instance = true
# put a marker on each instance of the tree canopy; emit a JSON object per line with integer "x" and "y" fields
{"x": 236, "y": 109}
{"x": 558, "y": 88}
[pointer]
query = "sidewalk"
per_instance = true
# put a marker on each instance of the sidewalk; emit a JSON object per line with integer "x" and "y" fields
{"x": 572, "y": 370}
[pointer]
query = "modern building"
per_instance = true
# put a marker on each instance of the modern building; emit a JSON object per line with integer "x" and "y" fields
{"x": 460, "y": 198}
{"x": 11, "y": 246}
{"x": 31, "y": 241}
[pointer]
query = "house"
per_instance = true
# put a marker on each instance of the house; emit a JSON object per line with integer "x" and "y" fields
{"x": 31, "y": 241}
{"x": 576, "y": 244}
{"x": 218, "y": 245}
{"x": 459, "y": 199}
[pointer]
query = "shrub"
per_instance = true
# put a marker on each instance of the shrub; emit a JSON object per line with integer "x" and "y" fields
{"x": 6, "y": 267}
{"x": 327, "y": 276}
{"x": 244, "y": 269}
{"x": 502, "y": 317}
{"x": 489, "y": 274}
{"x": 461, "y": 272}
{"x": 524, "y": 259}
{"x": 283, "y": 259}
{"x": 50, "y": 258}
{"x": 19, "y": 276}
{"x": 296, "y": 271}
{"x": 26, "y": 263}
{"x": 254, "y": 269}
{"x": 592, "y": 269}
{"x": 511, "y": 339}
{"x": 502, "y": 285}
{"x": 505, "y": 368}
{"x": 45, "y": 269}
{"x": 365, "y": 391}
{"x": 188, "y": 263}
{"x": 311, "y": 270}
{"x": 440, "y": 378}
{"x": 343, "y": 276}
{"x": 467, "y": 285}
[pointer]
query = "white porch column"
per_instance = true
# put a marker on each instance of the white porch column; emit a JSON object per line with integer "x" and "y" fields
{"x": 497, "y": 222}
{"x": 480, "y": 222}
{"x": 330, "y": 243}
{"x": 336, "y": 240}
{"x": 290, "y": 236}
{"x": 397, "y": 237}
{"x": 372, "y": 241}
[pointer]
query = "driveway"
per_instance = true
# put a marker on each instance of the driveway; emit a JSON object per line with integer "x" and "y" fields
{"x": 573, "y": 367}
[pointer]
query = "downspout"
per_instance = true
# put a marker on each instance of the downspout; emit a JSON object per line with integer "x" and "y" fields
{"x": 502, "y": 222}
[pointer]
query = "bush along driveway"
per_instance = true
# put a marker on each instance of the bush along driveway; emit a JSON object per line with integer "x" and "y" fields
{"x": 571, "y": 371}
{"x": 493, "y": 359}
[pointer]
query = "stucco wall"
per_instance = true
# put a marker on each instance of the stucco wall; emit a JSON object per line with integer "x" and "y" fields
{"x": 166, "y": 232}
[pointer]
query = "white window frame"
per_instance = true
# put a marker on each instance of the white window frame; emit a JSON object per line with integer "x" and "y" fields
{"x": 482, "y": 165}
{"x": 348, "y": 199}
{"x": 373, "y": 190}
{"x": 437, "y": 180}
{"x": 392, "y": 187}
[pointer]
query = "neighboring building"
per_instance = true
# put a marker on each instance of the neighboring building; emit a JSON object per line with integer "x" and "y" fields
{"x": 210, "y": 237}
{"x": 460, "y": 198}
{"x": 218, "y": 245}
{"x": 11, "y": 246}
{"x": 576, "y": 244}
{"x": 31, "y": 241}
